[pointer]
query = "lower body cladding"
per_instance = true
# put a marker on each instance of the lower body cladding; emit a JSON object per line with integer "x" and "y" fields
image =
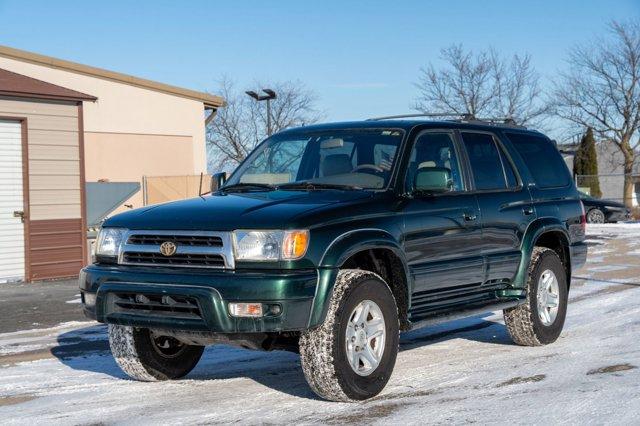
{"x": 256, "y": 309}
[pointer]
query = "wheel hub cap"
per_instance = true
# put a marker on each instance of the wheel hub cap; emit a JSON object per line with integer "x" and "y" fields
{"x": 365, "y": 337}
{"x": 548, "y": 297}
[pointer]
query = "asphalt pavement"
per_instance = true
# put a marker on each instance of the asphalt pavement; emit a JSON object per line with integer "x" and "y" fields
{"x": 25, "y": 306}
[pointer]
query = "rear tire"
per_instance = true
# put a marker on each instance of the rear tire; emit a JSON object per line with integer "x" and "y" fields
{"x": 148, "y": 357}
{"x": 538, "y": 322}
{"x": 343, "y": 361}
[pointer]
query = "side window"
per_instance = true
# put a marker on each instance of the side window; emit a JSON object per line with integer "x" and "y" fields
{"x": 486, "y": 162}
{"x": 543, "y": 160}
{"x": 435, "y": 150}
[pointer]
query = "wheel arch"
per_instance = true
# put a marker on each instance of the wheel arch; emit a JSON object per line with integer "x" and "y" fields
{"x": 374, "y": 250}
{"x": 549, "y": 233}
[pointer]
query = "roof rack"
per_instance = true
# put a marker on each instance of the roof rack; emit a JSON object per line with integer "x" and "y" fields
{"x": 465, "y": 118}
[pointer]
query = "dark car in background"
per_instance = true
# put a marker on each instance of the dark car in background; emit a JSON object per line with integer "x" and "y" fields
{"x": 604, "y": 211}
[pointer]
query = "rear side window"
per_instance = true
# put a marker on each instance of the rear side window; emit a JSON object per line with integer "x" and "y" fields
{"x": 543, "y": 160}
{"x": 487, "y": 162}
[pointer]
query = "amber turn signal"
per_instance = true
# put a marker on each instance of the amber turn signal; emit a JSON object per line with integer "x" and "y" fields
{"x": 294, "y": 244}
{"x": 245, "y": 309}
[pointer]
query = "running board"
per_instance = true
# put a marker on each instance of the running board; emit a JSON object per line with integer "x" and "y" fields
{"x": 465, "y": 313}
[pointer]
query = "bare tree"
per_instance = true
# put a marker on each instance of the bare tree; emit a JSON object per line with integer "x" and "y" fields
{"x": 602, "y": 90}
{"x": 242, "y": 124}
{"x": 482, "y": 84}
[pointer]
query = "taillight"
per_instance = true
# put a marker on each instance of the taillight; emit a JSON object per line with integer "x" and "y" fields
{"x": 583, "y": 218}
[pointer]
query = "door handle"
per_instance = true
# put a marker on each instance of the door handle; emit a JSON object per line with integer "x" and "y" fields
{"x": 20, "y": 214}
{"x": 469, "y": 216}
{"x": 527, "y": 211}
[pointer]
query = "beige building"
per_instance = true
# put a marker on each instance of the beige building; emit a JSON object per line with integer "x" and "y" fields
{"x": 63, "y": 124}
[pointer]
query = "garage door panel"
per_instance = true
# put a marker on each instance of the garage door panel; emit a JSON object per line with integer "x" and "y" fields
{"x": 12, "y": 262}
{"x": 54, "y": 167}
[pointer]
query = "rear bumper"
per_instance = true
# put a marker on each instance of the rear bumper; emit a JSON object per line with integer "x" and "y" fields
{"x": 578, "y": 255}
{"x": 210, "y": 291}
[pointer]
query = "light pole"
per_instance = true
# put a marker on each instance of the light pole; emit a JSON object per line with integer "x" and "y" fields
{"x": 270, "y": 94}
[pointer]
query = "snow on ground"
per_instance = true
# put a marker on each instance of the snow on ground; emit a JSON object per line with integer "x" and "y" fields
{"x": 459, "y": 372}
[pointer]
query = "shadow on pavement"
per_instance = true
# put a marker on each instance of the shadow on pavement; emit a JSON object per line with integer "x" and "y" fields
{"x": 87, "y": 349}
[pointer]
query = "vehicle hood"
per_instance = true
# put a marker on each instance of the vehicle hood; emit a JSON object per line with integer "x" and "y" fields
{"x": 226, "y": 212}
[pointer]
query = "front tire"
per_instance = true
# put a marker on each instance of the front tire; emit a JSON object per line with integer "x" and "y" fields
{"x": 341, "y": 359}
{"x": 148, "y": 357}
{"x": 539, "y": 321}
{"x": 595, "y": 216}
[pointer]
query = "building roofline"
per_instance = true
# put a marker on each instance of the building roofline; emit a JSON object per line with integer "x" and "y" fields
{"x": 207, "y": 99}
{"x": 21, "y": 86}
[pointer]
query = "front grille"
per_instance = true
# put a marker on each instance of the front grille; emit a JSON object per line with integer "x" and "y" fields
{"x": 161, "y": 305}
{"x": 196, "y": 260}
{"x": 181, "y": 240}
{"x": 193, "y": 249}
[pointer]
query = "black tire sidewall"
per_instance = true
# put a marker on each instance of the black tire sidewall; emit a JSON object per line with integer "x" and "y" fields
{"x": 160, "y": 367}
{"x": 362, "y": 387}
{"x": 548, "y": 260}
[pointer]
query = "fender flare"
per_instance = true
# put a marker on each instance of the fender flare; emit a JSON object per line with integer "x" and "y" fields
{"x": 338, "y": 252}
{"x": 533, "y": 232}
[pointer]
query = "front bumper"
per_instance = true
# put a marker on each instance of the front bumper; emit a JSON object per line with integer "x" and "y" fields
{"x": 211, "y": 291}
{"x": 617, "y": 215}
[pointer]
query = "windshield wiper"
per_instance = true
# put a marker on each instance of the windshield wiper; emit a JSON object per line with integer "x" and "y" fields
{"x": 248, "y": 186}
{"x": 310, "y": 186}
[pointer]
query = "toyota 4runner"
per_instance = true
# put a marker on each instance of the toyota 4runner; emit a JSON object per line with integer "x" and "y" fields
{"x": 331, "y": 239}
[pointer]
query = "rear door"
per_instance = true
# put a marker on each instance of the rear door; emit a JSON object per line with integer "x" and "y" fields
{"x": 12, "y": 262}
{"x": 442, "y": 231}
{"x": 505, "y": 204}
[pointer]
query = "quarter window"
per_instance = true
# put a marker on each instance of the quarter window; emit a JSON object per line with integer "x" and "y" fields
{"x": 546, "y": 165}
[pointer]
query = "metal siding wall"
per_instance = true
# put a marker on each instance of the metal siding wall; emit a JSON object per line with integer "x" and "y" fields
{"x": 56, "y": 234}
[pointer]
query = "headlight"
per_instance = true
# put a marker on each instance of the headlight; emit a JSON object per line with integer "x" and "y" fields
{"x": 270, "y": 245}
{"x": 108, "y": 241}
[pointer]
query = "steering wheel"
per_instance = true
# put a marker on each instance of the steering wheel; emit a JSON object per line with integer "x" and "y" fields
{"x": 373, "y": 167}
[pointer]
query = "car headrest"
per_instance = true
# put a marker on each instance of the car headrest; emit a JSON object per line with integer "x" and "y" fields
{"x": 336, "y": 164}
{"x": 426, "y": 164}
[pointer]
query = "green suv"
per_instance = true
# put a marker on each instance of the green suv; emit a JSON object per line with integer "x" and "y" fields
{"x": 330, "y": 240}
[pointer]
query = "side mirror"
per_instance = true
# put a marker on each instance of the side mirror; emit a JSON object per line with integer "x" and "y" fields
{"x": 217, "y": 180}
{"x": 433, "y": 180}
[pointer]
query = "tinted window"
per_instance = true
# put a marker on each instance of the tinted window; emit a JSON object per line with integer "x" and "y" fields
{"x": 545, "y": 163}
{"x": 486, "y": 164}
{"x": 435, "y": 150}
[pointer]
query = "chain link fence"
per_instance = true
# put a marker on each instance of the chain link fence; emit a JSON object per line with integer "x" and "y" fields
{"x": 161, "y": 189}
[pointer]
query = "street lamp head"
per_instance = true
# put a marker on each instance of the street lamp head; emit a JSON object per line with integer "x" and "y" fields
{"x": 271, "y": 93}
{"x": 253, "y": 94}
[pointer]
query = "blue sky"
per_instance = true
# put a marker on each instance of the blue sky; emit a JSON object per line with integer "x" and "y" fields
{"x": 361, "y": 57}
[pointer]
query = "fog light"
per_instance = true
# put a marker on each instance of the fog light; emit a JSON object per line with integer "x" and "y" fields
{"x": 245, "y": 309}
{"x": 89, "y": 299}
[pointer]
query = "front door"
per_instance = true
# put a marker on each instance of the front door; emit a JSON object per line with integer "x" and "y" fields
{"x": 442, "y": 231}
{"x": 12, "y": 261}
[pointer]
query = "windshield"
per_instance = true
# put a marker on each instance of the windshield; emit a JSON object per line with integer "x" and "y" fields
{"x": 351, "y": 159}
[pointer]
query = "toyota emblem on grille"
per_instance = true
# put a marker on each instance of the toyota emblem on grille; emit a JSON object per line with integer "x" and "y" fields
{"x": 168, "y": 248}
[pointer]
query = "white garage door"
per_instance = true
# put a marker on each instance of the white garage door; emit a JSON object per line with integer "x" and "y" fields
{"x": 11, "y": 228}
